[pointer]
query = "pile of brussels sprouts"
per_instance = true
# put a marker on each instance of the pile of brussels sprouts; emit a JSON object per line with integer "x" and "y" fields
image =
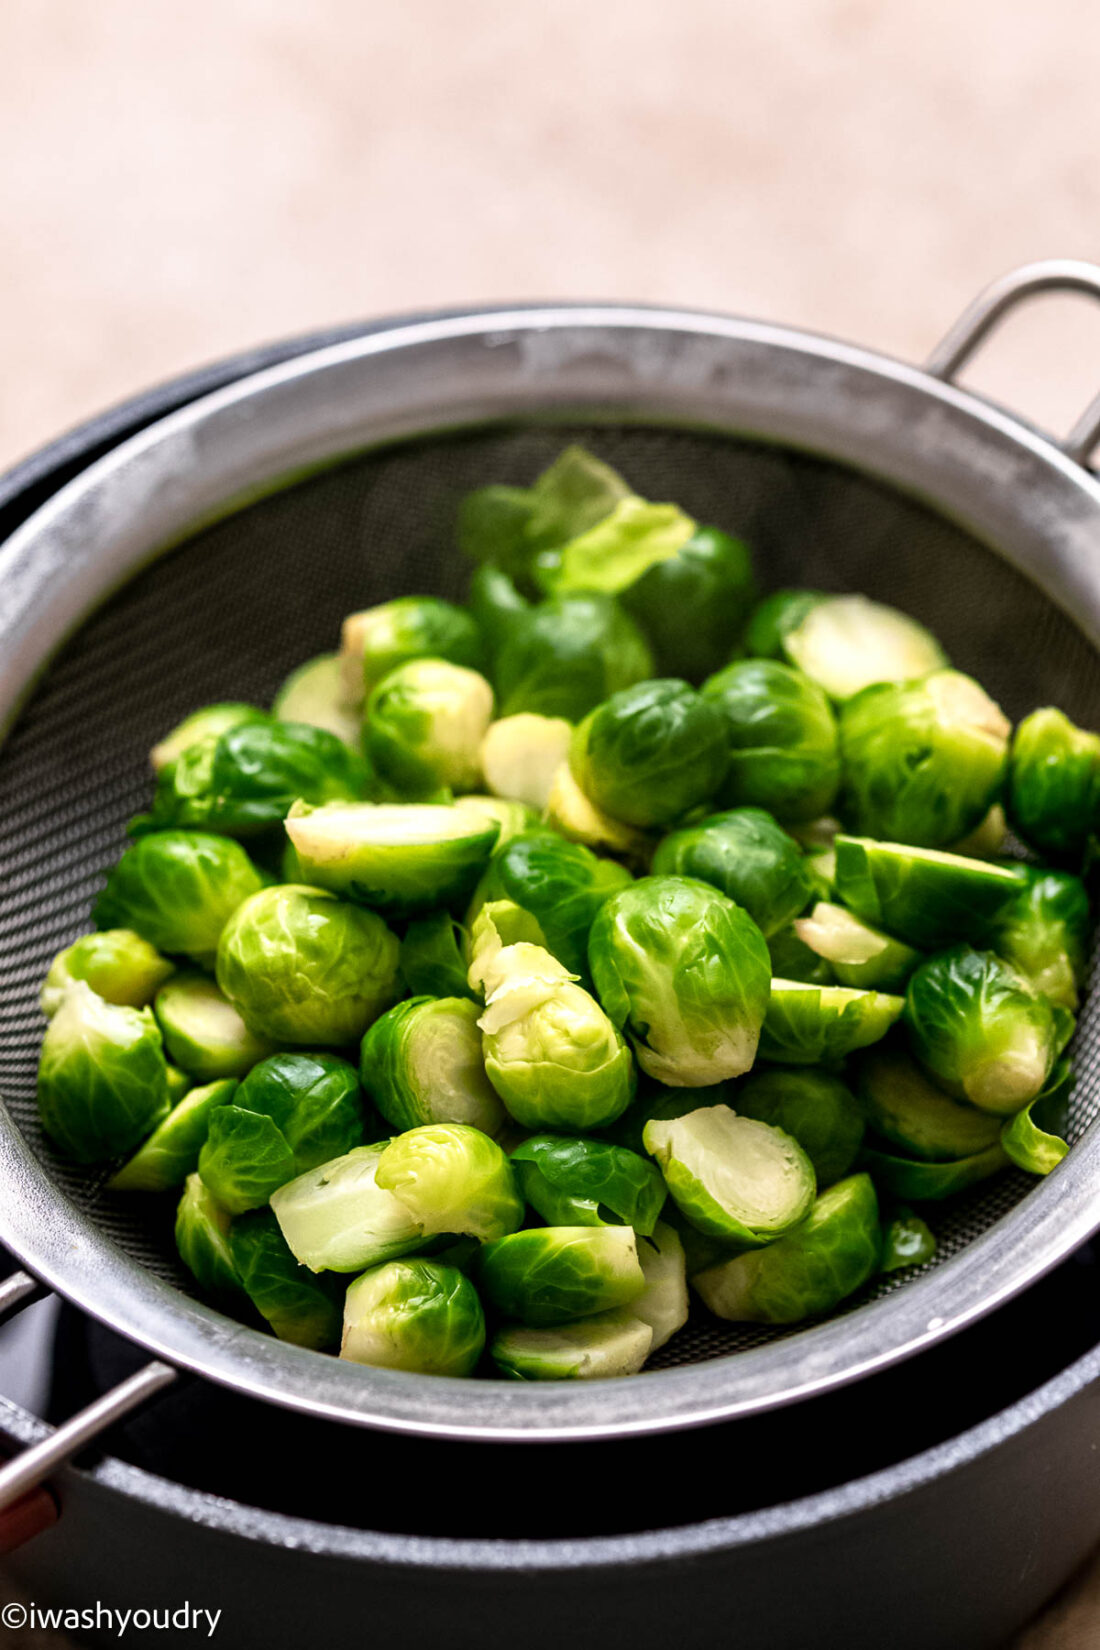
{"x": 529, "y": 960}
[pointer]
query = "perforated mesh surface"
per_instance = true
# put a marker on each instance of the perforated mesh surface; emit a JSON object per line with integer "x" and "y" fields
{"x": 230, "y": 613}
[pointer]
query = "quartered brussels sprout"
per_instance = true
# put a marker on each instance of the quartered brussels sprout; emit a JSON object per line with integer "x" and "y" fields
{"x": 118, "y": 964}
{"x": 692, "y": 606}
{"x": 748, "y": 857}
{"x": 857, "y": 954}
{"x": 171, "y": 1152}
{"x": 435, "y": 957}
{"x": 809, "y": 1271}
{"x": 452, "y": 1178}
{"x": 1054, "y": 783}
{"x": 511, "y": 525}
{"x": 336, "y": 1218}
{"x": 813, "y": 1107}
{"x": 301, "y": 966}
{"x": 202, "y": 1238}
{"x": 792, "y": 959}
{"x": 315, "y": 694}
{"x": 782, "y": 737}
{"x": 1045, "y": 934}
{"x": 512, "y": 817}
{"x": 521, "y": 754}
{"x": 922, "y": 761}
{"x": 416, "y": 1315}
{"x": 597, "y": 1348}
{"x": 809, "y": 1025}
{"x": 550, "y": 1274}
{"x": 422, "y": 1063}
{"x": 102, "y": 1078}
{"x": 299, "y": 1308}
{"x": 663, "y": 1303}
{"x": 982, "y": 1031}
{"x": 561, "y": 884}
{"x": 564, "y": 656}
{"x": 203, "y": 1032}
{"x": 732, "y": 1177}
{"x": 921, "y": 895}
{"x": 907, "y": 1110}
{"x": 916, "y": 1181}
{"x": 576, "y": 817}
{"x": 209, "y": 723}
{"x": 178, "y": 889}
{"x": 772, "y": 618}
{"x": 424, "y": 726}
{"x": 687, "y": 973}
{"x": 848, "y": 643}
{"x": 379, "y": 639}
{"x": 650, "y": 753}
{"x": 578, "y": 1182}
{"x": 617, "y": 551}
{"x": 399, "y": 858}
{"x": 907, "y": 1240}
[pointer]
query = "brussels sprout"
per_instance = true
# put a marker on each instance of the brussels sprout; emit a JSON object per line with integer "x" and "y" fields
{"x": 772, "y": 618}
{"x": 520, "y": 755}
{"x": 244, "y": 1158}
{"x": 906, "y": 1241}
{"x": 499, "y": 930}
{"x": 435, "y": 957}
{"x": 650, "y": 753}
{"x": 551, "y": 1274}
{"x": 171, "y": 1152}
{"x": 792, "y": 959}
{"x": 102, "y": 1079}
{"x": 857, "y": 953}
{"x": 301, "y": 966}
{"x": 848, "y": 643}
{"x": 809, "y": 1024}
{"x": 617, "y": 551}
{"x": 512, "y": 817}
{"x": 422, "y": 1063}
{"x": 920, "y": 1182}
{"x": 921, "y": 895}
{"x": 813, "y": 1107}
{"x": 654, "y": 1100}
{"x": 376, "y": 641}
{"x": 452, "y": 1178}
{"x": 400, "y": 858}
{"x": 299, "y": 1308}
{"x": 424, "y": 726}
{"x": 119, "y": 965}
{"x": 809, "y": 1271}
{"x": 494, "y": 602}
{"x": 315, "y": 694}
{"x": 922, "y": 761}
{"x": 732, "y": 1177}
{"x": 510, "y": 525}
{"x": 574, "y": 1182}
{"x": 209, "y": 723}
{"x": 1033, "y": 1138}
{"x": 202, "y": 1238}
{"x": 909, "y": 1112}
{"x": 179, "y": 1084}
{"x": 1054, "y": 783}
{"x": 610, "y": 1344}
{"x": 687, "y": 972}
{"x": 415, "y": 1315}
{"x": 663, "y": 1304}
{"x": 1045, "y": 934}
{"x": 575, "y": 816}
{"x": 202, "y": 1032}
{"x": 982, "y": 1031}
{"x": 337, "y": 1219}
{"x": 561, "y": 884}
{"x": 693, "y": 605}
{"x": 746, "y": 855}
{"x": 821, "y": 865}
{"x": 564, "y": 656}
{"x": 987, "y": 839}
{"x": 245, "y": 781}
{"x": 783, "y": 740}
{"x": 178, "y": 889}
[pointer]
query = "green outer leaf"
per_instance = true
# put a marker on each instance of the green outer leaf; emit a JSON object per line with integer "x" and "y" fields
{"x": 614, "y": 553}
{"x": 1029, "y": 1146}
{"x": 579, "y": 1182}
{"x": 171, "y": 1152}
{"x": 1045, "y": 934}
{"x": 925, "y": 897}
{"x": 244, "y": 1158}
{"x": 435, "y": 957}
{"x": 300, "y": 1308}
{"x": 313, "y": 1098}
{"x": 915, "y": 1182}
{"x": 202, "y": 1238}
{"x": 564, "y": 656}
{"x": 561, "y": 884}
{"x": 508, "y": 525}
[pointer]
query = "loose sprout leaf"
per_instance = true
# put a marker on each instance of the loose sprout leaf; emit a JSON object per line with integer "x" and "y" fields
{"x": 782, "y": 737}
{"x": 510, "y": 525}
{"x": 203, "y": 1032}
{"x": 102, "y": 1077}
{"x": 314, "y": 1098}
{"x": 337, "y": 1218}
{"x": 732, "y": 1177}
{"x": 847, "y": 643}
{"x": 244, "y": 1158}
{"x": 857, "y": 954}
{"x": 814, "y": 1107}
{"x": 315, "y": 693}
{"x": 452, "y": 1178}
{"x": 907, "y": 1240}
{"x": 434, "y": 957}
{"x": 924, "y": 896}
{"x": 905, "y": 1108}
{"x": 748, "y": 857}
{"x": 521, "y": 754}
{"x": 118, "y": 965}
{"x": 1033, "y": 1138}
{"x": 416, "y": 1315}
{"x": 618, "y": 550}
{"x": 580, "y": 1182}
{"x": 809, "y": 1024}
{"x": 171, "y": 1152}
{"x": 299, "y": 1308}
{"x": 552, "y": 1274}
{"x": 597, "y": 1348}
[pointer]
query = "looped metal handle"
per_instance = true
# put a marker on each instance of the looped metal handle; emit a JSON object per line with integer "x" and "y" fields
{"x": 989, "y": 308}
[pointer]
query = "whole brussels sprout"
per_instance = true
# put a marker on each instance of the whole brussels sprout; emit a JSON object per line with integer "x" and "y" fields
{"x": 209, "y": 723}
{"x": 314, "y": 694}
{"x": 301, "y": 966}
{"x": 521, "y": 754}
{"x": 598, "y": 1348}
{"x": 178, "y": 889}
{"x": 906, "y": 1109}
{"x": 857, "y": 954}
{"x": 732, "y": 1177}
{"x": 416, "y": 1315}
{"x": 299, "y": 1308}
{"x": 202, "y": 1238}
{"x": 511, "y": 525}
{"x": 422, "y": 1063}
{"x": 922, "y": 761}
{"x": 551, "y": 1274}
{"x": 1054, "y": 783}
{"x": 1045, "y": 934}
{"x": 118, "y": 964}
{"x": 336, "y": 1218}
{"x": 924, "y": 896}
{"x": 171, "y": 1152}
{"x": 813, "y": 1107}
{"x": 650, "y": 753}
{"x": 748, "y": 857}
{"x": 203, "y": 1032}
{"x": 562, "y": 657}
{"x": 692, "y": 606}
{"x": 809, "y": 1024}
{"x": 782, "y": 738}
{"x": 687, "y": 973}
{"x": 452, "y": 1178}
{"x": 102, "y": 1077}
{"x": 848, "y": 643}
{"x": 577, "y": 1182}
{"x": 772, "y": 618}
{"x": 435, "y": 957}
{"x": 424, "y": 726}
{"x": 982, "y": 1031}
{"x": 561, "y": 884}
{"x": 576, "y": 817}
{"x": 379, "y": 639}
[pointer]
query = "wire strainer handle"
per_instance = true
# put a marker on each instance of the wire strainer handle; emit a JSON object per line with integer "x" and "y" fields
{"x": 990, "y": 307}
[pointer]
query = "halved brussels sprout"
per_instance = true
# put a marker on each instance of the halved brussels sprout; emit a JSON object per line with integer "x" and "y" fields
{"x": 748, "y": 857}
{"x": 521, "y": 754}
{"x": 337, "y": 1219}
{"x": 772, "y": 618}
{"x": 857, "y": 954}
{"x": 301, "y": 966}
{"x": 424, "y": 726}
{"x": 848, "y": 643}
{"x": 399, "y": 858}
{"x": 663, "y": 1303}
{"x": 415, "y": 1315}
{"x": 987, "y": 839}
{"x": 813, "y": 1107}
{"x": 315, "y": 694}
{"x": 919, "y": 1182}
{"x": 610, "y": 1344}
{"x": 732, "y": 1177}
{"x": 118, "y": 965}
{"x": 1045, "y": 934}
{"x": 982, "y": 1031}
{"x": 577, "y": 1182}
{"x": 905, "y": 1108}
{"x": 907, "y": 1240}
{"x": 783, "y": 740}
{"x": 550, "y": 1274}
{"x": 1054, "y": 783}
{"x": 422, "y": 1063}
{"x": 435, "y": 957}
{"x": 650, "y": 753}
{"x": 564, "y": 656}
{"x": 171, "y": 1152}
{"x": 809, "y": 1271}
{"x": 922, "y": 761}
{"x": 693, "y": 605}
{"x": 203, "y": 1032}
{"x": 202, "y": 1238}
{"x": 561, "y": 884}
{"x": 102, "y": 1077}
{"x": 299, "y": 1308}
{"x": 792, "y": 959}
{"x": 178, "y": 889}
{"x": 209, "y": 723}
{"x": 811, "y": 1024}
{"x": 379, "y": 639}
{"x": 1034, "y": 1138}
{"x": 512, "y": 817}
{"x": 576, "y": 817}
{"x": 452, "y": 1178}
{"x": 921, "y": 895}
